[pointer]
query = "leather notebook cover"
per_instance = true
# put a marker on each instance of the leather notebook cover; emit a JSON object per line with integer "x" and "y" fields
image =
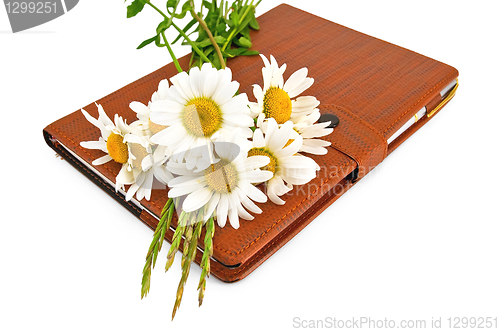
{"x": 374, "y": 87}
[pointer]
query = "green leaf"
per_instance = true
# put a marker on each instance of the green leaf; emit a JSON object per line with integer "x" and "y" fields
{"x": 203, "y": 43}
{"x": 234, "y": 52}
{"x": 253, "y": 22}
{"x": 185, "y": 29}
{"x": 164, "y": 25}
{"x": 185, "y": 8}
{"x": 220, "y": 39}
{"x": 202, "y": 35}
{"x": 216, "y": 62}
{"x": 245, "y": 32}
{"x": 158, "y": 41}
{"x": 245, "y": 42}
{"x": 147, "y": 42}
{"x": 206, "y": 42}
{"x": 135, "y": 8}
{"x": 207, "y": 4}
{"x": 250, "y": 52}
{"x": 235, "y": 18}
{"x": 221, "y": 27}
{"x": 172, "y": 4}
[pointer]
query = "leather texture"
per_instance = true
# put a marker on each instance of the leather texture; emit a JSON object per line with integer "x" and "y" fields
{"x": 374, "y": 87}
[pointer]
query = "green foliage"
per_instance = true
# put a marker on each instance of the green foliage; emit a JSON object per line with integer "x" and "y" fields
{"x": 156, "y": 244}
{"x": 222, "y": 29}
{"x": 147, "y": 42}
{"x": 135, "y": 8}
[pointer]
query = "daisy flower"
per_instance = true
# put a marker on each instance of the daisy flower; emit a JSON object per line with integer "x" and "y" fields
{"x": 281, "y": 145}
{"x": 133, "y": 151}
{"x": 274, "y": 100}
{"x": 149, "y": 163}
{"x": 144, "y": 113}
{"x": 224, "y": 189}
{"x": 199, "y": 107}
{"x": 111, "y": 140}
{"x": 307, "y": 127}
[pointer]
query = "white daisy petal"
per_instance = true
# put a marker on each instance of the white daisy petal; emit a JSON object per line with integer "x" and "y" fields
{"x": 236, "y": 119}
{"x": 272, "y": 194}
{"x": 255, "y": 109}
{"x": 95, "y": 145}
{"x": 306, "y": 84}
{"x": 166, "y": 106}
{"x": 258, "y": 138}
{"x": 255, "y": 162}
{"x": 131, "y": 192}
{"x": 256, "y": 195}
{"x": 259, "y": 176}
{"x": 184, "y": 190}
{"x": 233, "y": 201}
{"x": 258, "y": 93}
{"x": 272, "y": 127}
{"x": 161, "y": 174}
{"x": 242, "y": 212}
{"x": 298, "y": 162}
{"x": 212, "y": 204}
{"x": 102, "y": 160}
{"x": 317, "y": 150}
{"x": 222, "y": 210}
{"x": 236, "y": 105}
{"x": 168, "y": 135}
{"x": 247, "y": 203}
{"x": 197, "y": 199}
{"x": 291, "y": 149}
{"x": 305, "y": 102}
{"x": 181, "y": 181}
{"x": 163, "y": 88}
{"x": 103, "y": 117}
{"x": 315, "y": 130}
{"x": 282, "y": 136}
{"x": 195, "y": 81}
{"x": 182, "y": 85}
{"x": 279, "y": 187}
{"x": 139, "y": 108}
{"x": 295, "y": 80}
{"x": 209, "y": 77}
{"x": 225, "y": 92}
{"x": 92, "y": 120}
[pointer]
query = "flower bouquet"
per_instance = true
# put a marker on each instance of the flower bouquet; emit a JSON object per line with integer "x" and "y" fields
{"x": 220, "y": 154}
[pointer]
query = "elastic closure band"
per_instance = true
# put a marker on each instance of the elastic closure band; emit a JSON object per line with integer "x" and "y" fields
{"x": 357, "y": 139}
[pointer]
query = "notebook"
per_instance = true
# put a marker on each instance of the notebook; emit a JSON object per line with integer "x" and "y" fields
{"x": 380, "y": 92}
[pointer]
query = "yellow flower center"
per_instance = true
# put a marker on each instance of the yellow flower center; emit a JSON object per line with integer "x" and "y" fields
{"x": 273, "y": 162}
{"x": 155, "y": 128}
{"x": 202, "y": 117}
{"x": 222, "y": 177}
{"x": 117, "y": 149}
{"x": 139, "y": 152}
{"x": 277, "y": 105}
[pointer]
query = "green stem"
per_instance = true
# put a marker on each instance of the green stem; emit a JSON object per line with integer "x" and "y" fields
{"x": 233, "y": 33}
{"x": 195, "y": 48}
{"x": 210, "y": 36}
{"x": 158, "y": 10}
{"x": 245, "y": 13}
{"x": 176, "y": 62}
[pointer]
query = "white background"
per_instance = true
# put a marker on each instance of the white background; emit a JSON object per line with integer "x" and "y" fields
{"x": 416, "y": 239}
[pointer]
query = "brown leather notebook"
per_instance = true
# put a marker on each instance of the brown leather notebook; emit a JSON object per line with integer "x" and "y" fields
{"x": 375, "y": 88}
